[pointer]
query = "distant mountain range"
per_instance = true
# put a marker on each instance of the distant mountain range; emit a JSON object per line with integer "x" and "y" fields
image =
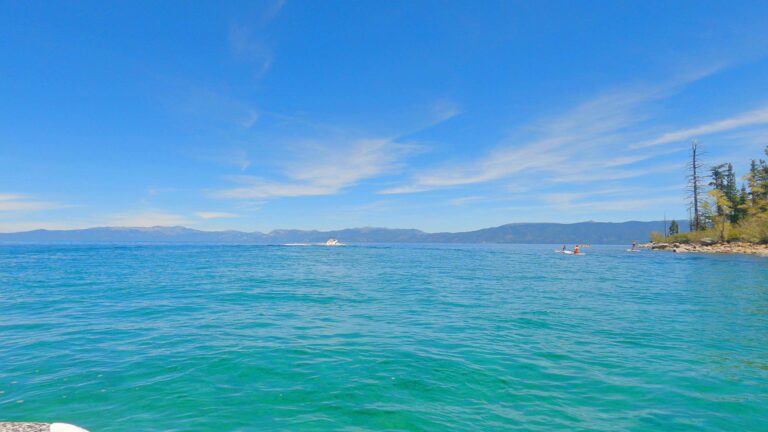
{"x": 545, "y": 233}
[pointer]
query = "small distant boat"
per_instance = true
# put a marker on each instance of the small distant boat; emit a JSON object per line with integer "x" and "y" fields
{"x": 333, "y": 242}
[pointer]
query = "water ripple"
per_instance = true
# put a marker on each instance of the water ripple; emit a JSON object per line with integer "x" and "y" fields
{"x": 493, "y": 337}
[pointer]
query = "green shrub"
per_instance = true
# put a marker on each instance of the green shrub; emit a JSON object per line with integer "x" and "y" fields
{"x": 658, "y": 237}
{"x": 690, "y": 237}
{"x": 753, "y": 230}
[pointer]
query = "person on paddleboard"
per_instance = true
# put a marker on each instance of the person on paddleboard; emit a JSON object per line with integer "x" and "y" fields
{"x": 563, "y": 249}
{"x": 634, "y": 244}
{"x": 576, "y": 250}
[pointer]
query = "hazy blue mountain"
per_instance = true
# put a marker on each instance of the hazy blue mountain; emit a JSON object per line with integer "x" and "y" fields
{"x": 583, "y": 232}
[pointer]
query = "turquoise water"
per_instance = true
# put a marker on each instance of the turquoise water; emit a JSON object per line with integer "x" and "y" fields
{"x": 244, "y": 338}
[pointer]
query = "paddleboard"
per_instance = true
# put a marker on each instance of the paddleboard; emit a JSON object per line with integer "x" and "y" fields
{"x": 567, "y": 252}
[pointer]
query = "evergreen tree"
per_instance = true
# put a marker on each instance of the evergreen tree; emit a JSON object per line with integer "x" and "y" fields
{"x": 757, "y": 180}
{"x": 752, "y": 182}
{"x": 731, "y": 189}
{"x": 724, "y": 181}
{"x": 730, "y": 212}
{"x": 741, "y": 209}
{"x": 717, "y": 174}
{"x": 674, "y": 228}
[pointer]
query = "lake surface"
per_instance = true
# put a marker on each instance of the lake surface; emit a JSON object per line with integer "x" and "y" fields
{"x": 388, "y": 337}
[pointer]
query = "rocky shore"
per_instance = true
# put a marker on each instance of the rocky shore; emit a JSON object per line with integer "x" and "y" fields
{"x": 711, "y": 246}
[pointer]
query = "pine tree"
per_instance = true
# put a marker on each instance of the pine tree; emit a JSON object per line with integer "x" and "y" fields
{"x": 757, "y": 181}
{"x": 717, "y": 174}
{"x": 752, "y": 182}
{"x": 674, "y": 228}
{"x": 724, "y": 181}
{"x": 731, "y": 189}
{"x": 741, "y": 209}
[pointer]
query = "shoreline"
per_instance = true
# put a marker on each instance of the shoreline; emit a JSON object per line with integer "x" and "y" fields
{"x": 740, "y": 248}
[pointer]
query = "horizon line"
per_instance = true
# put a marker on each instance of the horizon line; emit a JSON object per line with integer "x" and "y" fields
{"x": 324, "y": 230}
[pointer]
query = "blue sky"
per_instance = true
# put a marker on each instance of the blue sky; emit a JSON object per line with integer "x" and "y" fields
{"x": 432, "y": 115}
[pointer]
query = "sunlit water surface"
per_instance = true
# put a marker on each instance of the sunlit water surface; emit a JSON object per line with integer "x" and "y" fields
{"x": 387, "y": 337}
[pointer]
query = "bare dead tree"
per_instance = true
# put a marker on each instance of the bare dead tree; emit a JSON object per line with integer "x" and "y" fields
{"x": 695, "y": 186}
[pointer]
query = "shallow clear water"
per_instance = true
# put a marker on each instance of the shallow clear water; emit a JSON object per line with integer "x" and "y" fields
{"x": 224, "y": 338}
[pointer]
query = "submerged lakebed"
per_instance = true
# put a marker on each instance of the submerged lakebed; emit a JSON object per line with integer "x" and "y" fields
{"x": 381, "y": 337}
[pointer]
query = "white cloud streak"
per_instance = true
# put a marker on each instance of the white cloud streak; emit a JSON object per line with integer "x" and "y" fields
{"x": 215, "y": 215}
{"x": 325, "y": 168}
{"x": 22, "y": 203}
{"x": 567, "y": 142}
{"x": 621, "y": 205}
{"x": 445, "y": 109}
{"x": 751, "y": 118}
{"x": 589, "y": 142}
{"x": 149, "y": 218}
{"x": 467, "y": 200}
{"x": 615, "y": 198}
{"x": 250, "y": 49}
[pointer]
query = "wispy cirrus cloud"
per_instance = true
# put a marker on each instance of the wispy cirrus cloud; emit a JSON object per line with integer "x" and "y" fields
{"x": 445, "y": 109}
{"x": 247, "y": 41}
{"x": 148, "y": 218}
{"x": 497, "y": 165}
{"x": 615, "y": 198}
{"x": 591, "y": 137}
{"x": 325, "y": 168}
{"x": 249, "y": 48}
{"x": 571, "y": 197}
{"x": 215, "y": 215}
{"x": 250, "y": 119}
{"x": 461, "y": 201}
{"x": 611, "y": 173}
{"x": 621, "y": 205}
{"x": 199, "y": 104}
{"x": 236, "y": 157}
{"x": 559, "y": 142}
{"x": 752, "y": 118}
{"x": 158, "y": 190}
{"x": 24, "y": 203}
